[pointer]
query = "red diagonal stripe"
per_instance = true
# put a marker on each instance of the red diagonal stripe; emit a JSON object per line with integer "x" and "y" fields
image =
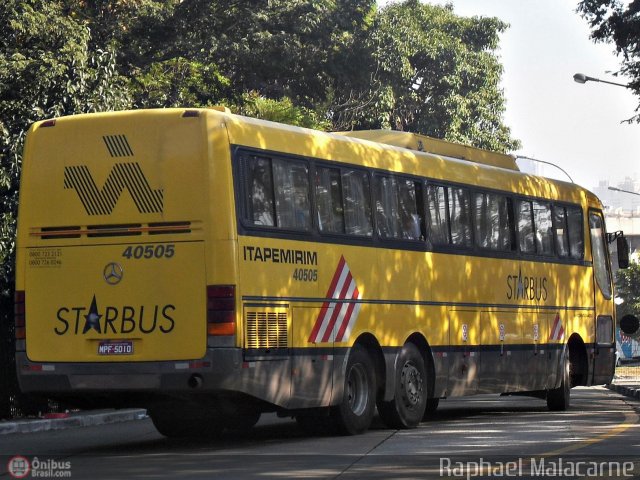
{"x": 347, "y": 317}
{"x": 336, "y": 311}
{"x": 325, "y": 305}
{"x": 553, "y": 329}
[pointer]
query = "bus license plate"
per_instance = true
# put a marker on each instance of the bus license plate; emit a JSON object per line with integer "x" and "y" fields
{"x": 124, "y": 347}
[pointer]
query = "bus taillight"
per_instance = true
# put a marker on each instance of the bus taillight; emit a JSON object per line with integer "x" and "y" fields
{"x": 19, "y": 314}
{"x": 221, "y": 309}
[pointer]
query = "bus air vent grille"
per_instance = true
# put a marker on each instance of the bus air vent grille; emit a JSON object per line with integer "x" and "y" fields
{"x": 266, "y": 330}
{"x": 121, "y": 230}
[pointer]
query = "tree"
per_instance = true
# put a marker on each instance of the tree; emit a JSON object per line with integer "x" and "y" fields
{"x": 628, "y": 289}
{"x": 214, "y": 51}
{"x": 618, "y": 22}
{"x": 432, "y": 72}
{"x": 282, "y": 111}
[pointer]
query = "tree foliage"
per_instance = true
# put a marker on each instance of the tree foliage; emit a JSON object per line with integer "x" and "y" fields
{"x": 282, "y": 111}
{"x": 433, "y": 72}
{"x": 617, "y": 22}
{"x": 628, "y": 289}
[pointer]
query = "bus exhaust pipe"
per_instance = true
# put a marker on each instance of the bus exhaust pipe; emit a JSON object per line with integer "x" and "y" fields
{"x": 195, "y": 381}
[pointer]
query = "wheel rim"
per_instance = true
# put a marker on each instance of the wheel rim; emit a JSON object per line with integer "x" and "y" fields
{"x": 411, "y": 381}
{"x": 357, "y": 389}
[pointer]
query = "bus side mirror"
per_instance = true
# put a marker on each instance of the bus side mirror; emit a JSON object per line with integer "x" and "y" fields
{"x": 630, "y": 325}
{"x": 623, "y": 252}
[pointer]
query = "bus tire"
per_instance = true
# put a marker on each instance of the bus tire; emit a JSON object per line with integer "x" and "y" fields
{"x": 242, "y": 422}
{"x": 559, "y": 399}
{"x": 353, "y": 415}
{"x": 315, "y": 423}
{"x": 408, "y": 406}
{"x": 173, "y": 425}
{"x": 432, "y": 406}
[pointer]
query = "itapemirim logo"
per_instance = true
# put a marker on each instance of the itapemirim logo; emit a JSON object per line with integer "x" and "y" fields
{"x": 101, "y": 201}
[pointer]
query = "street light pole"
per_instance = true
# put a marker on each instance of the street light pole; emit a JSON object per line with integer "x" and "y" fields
{"x": 582, "y": 78}
{"x": 623, "y": 191}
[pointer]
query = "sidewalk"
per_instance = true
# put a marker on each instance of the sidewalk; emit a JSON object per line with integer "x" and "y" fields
{"x": 630, "y": 388}
{"x": 73, "y": 419}
{"x": 627, "y": 379}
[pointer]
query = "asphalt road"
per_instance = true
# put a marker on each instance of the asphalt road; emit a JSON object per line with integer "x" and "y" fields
{"x": 511, "y": 435}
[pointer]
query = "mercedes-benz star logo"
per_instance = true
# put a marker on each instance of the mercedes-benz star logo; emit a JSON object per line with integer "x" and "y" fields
{"x": 113, "y": 273}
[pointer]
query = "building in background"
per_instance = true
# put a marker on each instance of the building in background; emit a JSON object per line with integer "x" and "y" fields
{"x": 618, "y": 202}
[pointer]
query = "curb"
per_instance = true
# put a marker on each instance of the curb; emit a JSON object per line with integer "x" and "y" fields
{"x": 86, "y": 419}
{"x": 633, "y": 392}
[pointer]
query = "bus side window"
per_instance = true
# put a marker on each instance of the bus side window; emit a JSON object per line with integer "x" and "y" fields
{"x": 438, "y": 218}
{"x": 493, "y": 229}
{"x": 524, "y": 212}
{"x": 329, "y": 200}
{"x": 544, "y": 228}
{"x": 357, "y": 202}
{"x": 291, "y": 180}
{"x": 576, "y": 233}
{"x": 410, "y": 218}
{"x": 560, "y": 226}
{"x": 260, "y": 184}
{"x": 460, "y": 217}
{"x": 387, "y": 214}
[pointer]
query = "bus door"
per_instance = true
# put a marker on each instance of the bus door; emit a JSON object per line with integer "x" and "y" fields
{"x": 604, "y": 351}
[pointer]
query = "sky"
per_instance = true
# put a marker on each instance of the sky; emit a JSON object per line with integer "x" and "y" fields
{"x": 577, "y": 126}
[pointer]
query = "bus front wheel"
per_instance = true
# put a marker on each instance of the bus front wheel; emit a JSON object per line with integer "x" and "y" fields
{"x": 353, "y": 415}
{"x": 408, "y": 406}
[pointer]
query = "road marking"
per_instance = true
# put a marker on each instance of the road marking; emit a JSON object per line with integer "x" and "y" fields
{"x": 630, "y": 420}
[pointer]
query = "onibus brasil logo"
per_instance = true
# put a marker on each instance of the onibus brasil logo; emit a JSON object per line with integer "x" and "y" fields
{"x": 20, "y": 467}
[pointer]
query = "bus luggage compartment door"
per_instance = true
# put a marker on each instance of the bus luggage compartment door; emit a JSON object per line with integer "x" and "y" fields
{"x": 116, "y": 303}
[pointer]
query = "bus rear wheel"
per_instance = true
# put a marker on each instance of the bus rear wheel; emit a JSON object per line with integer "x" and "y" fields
{"x": 408, "y": 406}
{"x": 559, "y": 398}
{"x": 353, "y": 415}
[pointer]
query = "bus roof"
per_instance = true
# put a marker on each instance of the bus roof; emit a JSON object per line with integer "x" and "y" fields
{"x": 492, "y": 169}
{"x": 423, "y": 143}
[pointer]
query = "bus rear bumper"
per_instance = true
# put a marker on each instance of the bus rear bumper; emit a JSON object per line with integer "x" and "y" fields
{"x": 221, "y": 370}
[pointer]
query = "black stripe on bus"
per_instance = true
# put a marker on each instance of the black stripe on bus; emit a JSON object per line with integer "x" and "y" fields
{"x": 430, "y": 303}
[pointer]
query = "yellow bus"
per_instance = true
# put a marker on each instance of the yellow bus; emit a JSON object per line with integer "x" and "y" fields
{"x": 211, "y": 267}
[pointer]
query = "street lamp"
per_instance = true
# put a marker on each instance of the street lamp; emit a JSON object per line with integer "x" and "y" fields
{"x": 623, "y": 191}
{"x": 582, "y": 78}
